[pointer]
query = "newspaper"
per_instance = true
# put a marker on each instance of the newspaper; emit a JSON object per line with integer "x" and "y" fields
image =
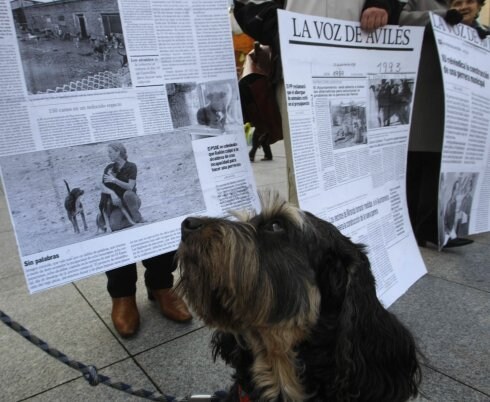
{"x": 78, "y": 76}
{"x": 349, "y": 98}
{"x": 464, "y": 189}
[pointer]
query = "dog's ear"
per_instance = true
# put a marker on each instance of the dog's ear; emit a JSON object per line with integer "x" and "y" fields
{"x": 375, "y": 355}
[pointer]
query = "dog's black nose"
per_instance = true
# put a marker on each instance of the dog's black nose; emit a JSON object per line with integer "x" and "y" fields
{"x": 190, "y": 225}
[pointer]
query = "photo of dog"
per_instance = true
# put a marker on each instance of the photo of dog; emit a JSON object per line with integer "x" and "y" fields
{"x": 106, "y": 208}
{"x": 74, "y": 207}
{"x": 294, "y": 305}
{"x": 102, "y": 218}
{"x": 167, "y": 188}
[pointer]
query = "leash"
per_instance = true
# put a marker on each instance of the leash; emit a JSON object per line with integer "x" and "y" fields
{"x": 94, "y": 378}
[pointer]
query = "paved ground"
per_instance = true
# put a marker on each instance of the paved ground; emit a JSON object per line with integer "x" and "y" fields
{"x": 448, "y": 311}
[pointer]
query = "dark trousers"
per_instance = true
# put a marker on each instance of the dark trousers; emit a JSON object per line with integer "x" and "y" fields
{"x": 121, "y": 282}
{"x": 260, "y": 140}
{"x": 255, "y": 115}
{"x": 423, "y": 170}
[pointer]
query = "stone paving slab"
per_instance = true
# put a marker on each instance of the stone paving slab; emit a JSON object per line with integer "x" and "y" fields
{"x": 185, "y": 366}
{"x": 63, "y": 319}
{"x": 451, "y": 324}
{"x": 79, "y": 390}
{"x": 441, "y": 388}
{"x": 10, "y": 261}
{"x": 468, "y": 265}
{"x": 155, "y": 328}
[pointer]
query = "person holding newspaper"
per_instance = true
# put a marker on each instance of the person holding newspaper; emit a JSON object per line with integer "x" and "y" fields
{"x": 119, "y": 187}
{"x": 427, "y": 126}
{"x": 416, "y": 12}
{"x": 470, "y": 10}
{"x": 121, "y": 285}
{"x": 259, "y": 106}
{"x": 259, "y": 20}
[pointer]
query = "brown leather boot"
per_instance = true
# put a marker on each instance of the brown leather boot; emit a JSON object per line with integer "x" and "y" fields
{"x": 125, "y": 315}
{"x": 171, "y": 305}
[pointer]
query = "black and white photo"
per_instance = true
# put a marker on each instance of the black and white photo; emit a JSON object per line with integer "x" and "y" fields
{"x": 213, "y": 107}
{"x": 348, "y": 123}
{"x": 389, "y": 101}
{"x": 42, "y": 184}
{"x": 456, "y": 193}
{"x": 120, "y": 118}
{"x": 71, "y": 45}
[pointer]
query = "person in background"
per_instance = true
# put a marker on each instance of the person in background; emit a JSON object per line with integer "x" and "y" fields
{"x": 258, "y": 101}
{"x": 121, "y": 285}
{"x": 470, "y": 11}
{"x": 427, "y": 125}
{"x": 416, "y": 12}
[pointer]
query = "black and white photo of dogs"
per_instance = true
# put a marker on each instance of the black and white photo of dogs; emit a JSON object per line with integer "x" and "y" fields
{"x": 294, "y": 307}
{"x": 74, "y": 207}
{"x": 167, "y": 186}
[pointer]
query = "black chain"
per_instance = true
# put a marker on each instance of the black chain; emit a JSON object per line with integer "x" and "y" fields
{"x": 93, "y": 377}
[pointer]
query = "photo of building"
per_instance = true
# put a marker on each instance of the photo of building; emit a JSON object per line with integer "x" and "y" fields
{"x": 71, "y": 45}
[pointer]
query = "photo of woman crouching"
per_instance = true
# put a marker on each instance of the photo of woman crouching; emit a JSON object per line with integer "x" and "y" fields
{"x": 119, "y": 204}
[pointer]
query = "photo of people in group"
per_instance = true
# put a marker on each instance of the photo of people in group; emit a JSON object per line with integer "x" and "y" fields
{"x": 389, "y": 101}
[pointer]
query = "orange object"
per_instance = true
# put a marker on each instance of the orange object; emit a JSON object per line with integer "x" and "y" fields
{"x": 242, "y": 44}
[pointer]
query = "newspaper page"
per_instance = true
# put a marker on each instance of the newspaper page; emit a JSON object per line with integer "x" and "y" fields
{"x": 119, "y": 119}
{"x": 464, "y": 187}
{"x": 349, "y": 97}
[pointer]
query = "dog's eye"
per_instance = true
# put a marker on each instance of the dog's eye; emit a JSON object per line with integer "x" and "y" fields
{"x": 274, "y": 226}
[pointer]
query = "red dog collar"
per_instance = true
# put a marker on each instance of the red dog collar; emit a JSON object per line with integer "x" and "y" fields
{"x": 242, "y": 395}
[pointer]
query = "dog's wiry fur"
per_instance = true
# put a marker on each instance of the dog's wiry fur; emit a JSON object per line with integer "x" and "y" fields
{"x": 294, "y": 305}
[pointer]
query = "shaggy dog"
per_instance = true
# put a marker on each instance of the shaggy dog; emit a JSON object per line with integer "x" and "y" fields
{"x": 294, "y": 305}
{"x": 74, "y": 207}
